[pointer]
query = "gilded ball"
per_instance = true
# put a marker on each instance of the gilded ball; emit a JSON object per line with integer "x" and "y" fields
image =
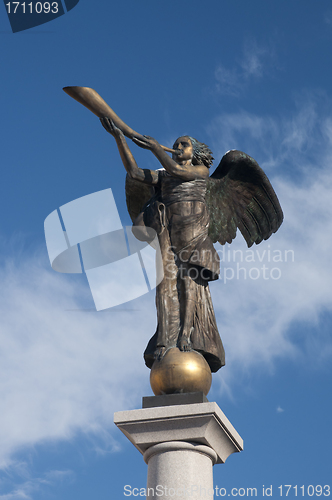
{"x": 180, "y": 371}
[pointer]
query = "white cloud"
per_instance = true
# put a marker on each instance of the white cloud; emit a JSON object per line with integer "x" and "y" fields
{"x": 27, "y": 488}
{"x": 252, "y": 62}
{"x": 232, "y": 81}
{"x": 257, "y": 318}
{"x": 63, "y": 370}
{"x": 280, "y": 410}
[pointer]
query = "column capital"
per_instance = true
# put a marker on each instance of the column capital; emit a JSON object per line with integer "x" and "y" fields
{"x": 201, "y": 423}
{"x": 179, "y": 446}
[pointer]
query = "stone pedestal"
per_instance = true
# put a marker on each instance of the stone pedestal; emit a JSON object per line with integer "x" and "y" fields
{"x": 180, "y": 443}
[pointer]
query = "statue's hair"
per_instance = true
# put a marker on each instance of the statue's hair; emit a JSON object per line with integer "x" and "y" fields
{"x": 202, "y": 153}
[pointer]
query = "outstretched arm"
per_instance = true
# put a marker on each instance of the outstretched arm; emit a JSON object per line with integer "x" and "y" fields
{"x": 139, "y": 174}
{"x": 185, "y": 170}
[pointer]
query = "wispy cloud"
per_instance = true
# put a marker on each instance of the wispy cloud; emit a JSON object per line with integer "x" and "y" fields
{"x": 294, "y": 141}
{"x": 258, "y": 317}
{"x": 252, "y": 64}
{"x": 228, "y": 80}
{"x": 279, "y": 409}
{"x": 27, "y": 489}
{"x": 328, "y": 17}
{"x": 64, "y": 370}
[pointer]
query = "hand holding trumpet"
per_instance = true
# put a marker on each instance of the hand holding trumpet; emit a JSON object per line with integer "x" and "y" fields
{"x": 110, "y": 120}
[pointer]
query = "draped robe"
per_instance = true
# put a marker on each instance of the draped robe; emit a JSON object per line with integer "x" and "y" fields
{"x": 179, "y": 214}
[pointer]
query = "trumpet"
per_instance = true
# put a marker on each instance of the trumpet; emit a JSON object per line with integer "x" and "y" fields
{"x": 92, "y": 100}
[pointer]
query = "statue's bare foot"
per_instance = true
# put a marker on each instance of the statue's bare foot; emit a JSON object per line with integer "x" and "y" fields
{"x": 184, "y": 344}
{"x": 159, "y": 352}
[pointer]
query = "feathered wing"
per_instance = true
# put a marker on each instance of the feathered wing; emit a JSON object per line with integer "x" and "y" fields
{"x": 239, "y": 195}
{"x": 137, "y": 195}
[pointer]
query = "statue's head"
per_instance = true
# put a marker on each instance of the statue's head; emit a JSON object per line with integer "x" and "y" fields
{"x": 200, "y": 152}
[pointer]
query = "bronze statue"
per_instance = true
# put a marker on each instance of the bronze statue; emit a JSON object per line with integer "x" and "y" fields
{"x": 237, "y": 195}
{"x": 190, "y": 211}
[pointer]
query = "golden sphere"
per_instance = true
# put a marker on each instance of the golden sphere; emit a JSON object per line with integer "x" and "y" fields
{"x": 180, "y": 371}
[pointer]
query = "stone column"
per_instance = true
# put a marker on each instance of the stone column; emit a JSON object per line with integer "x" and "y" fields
{"x": 180, "y": 443}
{"x": 179, "y": 469}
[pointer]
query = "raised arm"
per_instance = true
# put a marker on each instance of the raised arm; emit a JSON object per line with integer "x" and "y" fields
{"x": 139, "y": 174}
{"x": 180, "y": 165}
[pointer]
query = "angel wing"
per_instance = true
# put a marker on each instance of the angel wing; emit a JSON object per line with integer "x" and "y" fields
{"x": 239, "y": 195}
{"x": 137, "y": 195}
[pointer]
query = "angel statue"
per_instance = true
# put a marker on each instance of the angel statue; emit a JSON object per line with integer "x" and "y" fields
{"x": 190, "y": 210}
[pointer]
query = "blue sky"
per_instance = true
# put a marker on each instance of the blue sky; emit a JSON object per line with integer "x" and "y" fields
{"x": 254, "y": 76}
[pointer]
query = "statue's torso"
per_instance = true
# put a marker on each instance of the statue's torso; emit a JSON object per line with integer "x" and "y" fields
{"x": 188, "y": 220}
{"x": 174, "y": 189}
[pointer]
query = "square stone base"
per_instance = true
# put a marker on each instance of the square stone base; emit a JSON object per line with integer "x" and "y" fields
{"x": 202, "y": 423}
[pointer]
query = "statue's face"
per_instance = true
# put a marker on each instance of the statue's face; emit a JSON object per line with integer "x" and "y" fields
{"x": 185, "y": 148}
